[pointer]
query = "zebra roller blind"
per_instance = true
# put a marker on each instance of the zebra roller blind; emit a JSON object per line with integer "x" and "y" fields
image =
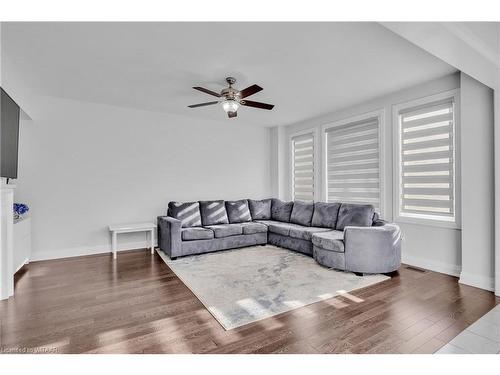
{"x": 353, "y": 162}
{"x": 427, "y": 157}
{"x": 303, "y": 167}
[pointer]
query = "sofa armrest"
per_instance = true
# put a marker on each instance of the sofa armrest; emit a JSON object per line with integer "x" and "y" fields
{"x": 375, "y": 249}
{"x": 169, "y": 235}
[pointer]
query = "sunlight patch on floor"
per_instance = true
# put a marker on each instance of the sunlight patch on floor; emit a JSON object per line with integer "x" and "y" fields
{"x": 347, "y": 295}
{"x": 338, "y": 304}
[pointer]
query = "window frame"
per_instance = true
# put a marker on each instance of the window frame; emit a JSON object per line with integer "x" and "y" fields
{"x": 396, "y": 109}
{"x": 314, "y": 133}
{"x": 380, "y": 114}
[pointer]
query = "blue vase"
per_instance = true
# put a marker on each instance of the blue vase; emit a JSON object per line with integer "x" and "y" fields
{"x": 20, "y": 209}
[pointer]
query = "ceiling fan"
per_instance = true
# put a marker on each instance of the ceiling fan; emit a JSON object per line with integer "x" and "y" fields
{"x": 231, "y": 99}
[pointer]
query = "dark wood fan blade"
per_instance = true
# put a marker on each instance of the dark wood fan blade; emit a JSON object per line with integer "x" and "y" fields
{"x": 250, "y": 91}
{"x": 207, "y": 91}
{"x": 201, "y": 104}
{"x": 250, "y": 103}
{"x": 232, "y": 114}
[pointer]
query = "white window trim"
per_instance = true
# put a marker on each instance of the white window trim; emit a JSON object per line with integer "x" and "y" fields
{"x": 314, "y": 132}
{"x": 452, "y": 94}
{"x": 380, "y": 113}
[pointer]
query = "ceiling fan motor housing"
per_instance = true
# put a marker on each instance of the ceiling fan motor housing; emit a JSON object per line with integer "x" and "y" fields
{"x": 230, "y": 94}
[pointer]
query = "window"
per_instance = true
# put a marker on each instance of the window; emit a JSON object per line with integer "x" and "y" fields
{"x": 303, "y": 167}
{"x": 426, "y": 140}
{"x": 353, "y": 161}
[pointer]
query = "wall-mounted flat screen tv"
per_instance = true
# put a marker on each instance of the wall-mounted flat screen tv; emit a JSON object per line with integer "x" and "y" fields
{"x": 9, "y": 135}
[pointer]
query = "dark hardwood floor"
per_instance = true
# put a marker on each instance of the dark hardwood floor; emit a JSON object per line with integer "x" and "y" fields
{"x": 136, "y": 304}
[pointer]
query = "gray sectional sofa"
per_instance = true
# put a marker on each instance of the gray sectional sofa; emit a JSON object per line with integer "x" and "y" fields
{"x": 343, "y": 236}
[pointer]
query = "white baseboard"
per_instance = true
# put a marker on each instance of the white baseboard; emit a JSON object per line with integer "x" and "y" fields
{"x": 26, "y": 261}
{"x": 432, "y": 265}
{"x": 478, "y": 281}
{"x": 86, "y": 250}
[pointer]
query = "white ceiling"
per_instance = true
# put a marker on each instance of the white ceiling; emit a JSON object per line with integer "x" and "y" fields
{"x": 306, "y": 69}
{"x": 482, "y": 36}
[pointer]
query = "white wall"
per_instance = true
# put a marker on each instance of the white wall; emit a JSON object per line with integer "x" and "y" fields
{"x": 426, "y": 246}
{"x": 478, "y": 204}
{"x": 84, "y": 166}
{"x": 278, "y": 162}
{"x": 496, "y": 98}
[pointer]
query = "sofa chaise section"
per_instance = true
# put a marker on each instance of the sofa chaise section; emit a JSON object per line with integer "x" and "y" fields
{"x": 361, "y": 242}
{"x": 376, "y": 249}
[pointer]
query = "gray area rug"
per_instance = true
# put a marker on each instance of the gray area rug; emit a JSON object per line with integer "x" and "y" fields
{"x": 245, "y": 285}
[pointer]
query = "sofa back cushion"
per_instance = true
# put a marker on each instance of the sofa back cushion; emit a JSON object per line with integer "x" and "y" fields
{"x": 238, "y": 211}
{"x": 325, "y": 215}
{"x": 187, "y": 212}
{"x": 260, "y": 210}
{"x": 302, "y": 213}
{"x": 280, "y": 210}
{"x": 213, "y": 213}
{"x": 358, "y": 215}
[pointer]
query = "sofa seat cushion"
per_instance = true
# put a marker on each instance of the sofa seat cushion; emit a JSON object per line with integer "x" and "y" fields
{"x": 302, "y": 213}
{"x": 280, "y": 228}
{"x": 277, "y": 227}
{"x": 332, "y": 240}
{"x": 266, "y": 222}
{"x": 292, "y": 230}
{"x": 187, "y": 212}
{"x": 213, "y": 213}
{"x": 325, "y": 215}
{"x": 196, "y": 233}
{"x": 226, "y": 230}
{"x": 357, "y": 215}
{"x": 252, "y": 228}
{"x": 260, "y": 209}
{"x": 305, "y": 233}
{"x": 280, "y": 210}
{"x": 238, "y": 211}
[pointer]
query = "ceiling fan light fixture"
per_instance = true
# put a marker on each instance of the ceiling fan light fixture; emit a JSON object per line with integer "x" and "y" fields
{"x": 230, "y": 105}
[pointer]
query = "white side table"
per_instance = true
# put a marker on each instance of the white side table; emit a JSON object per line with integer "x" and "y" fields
{"x": 129, "y": 228}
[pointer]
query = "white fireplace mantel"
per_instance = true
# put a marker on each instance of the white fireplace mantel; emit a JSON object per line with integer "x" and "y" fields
{"x": 6, "y": 240}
